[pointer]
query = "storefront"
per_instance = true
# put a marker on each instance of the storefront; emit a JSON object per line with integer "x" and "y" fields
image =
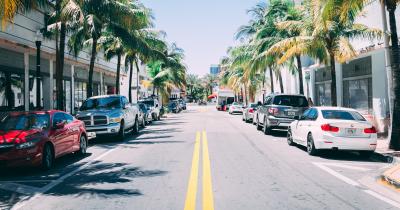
{"x": 323, "y": 82}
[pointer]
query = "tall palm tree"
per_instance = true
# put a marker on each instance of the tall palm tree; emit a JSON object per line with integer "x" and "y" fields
{"x": 324, "y": 37}
{"x": 8, "y": 8}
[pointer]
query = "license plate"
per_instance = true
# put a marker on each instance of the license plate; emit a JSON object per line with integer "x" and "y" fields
{"x": 351, "y": 131}
{"x": 291, "y": 113}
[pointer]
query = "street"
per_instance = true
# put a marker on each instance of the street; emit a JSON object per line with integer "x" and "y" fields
{"x": 203, "y": 159}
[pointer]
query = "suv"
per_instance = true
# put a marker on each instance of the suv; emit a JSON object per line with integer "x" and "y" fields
{"x": 279, "y": 110}
{"x": 154, "y": 107}
{"x": 109, "y": 115}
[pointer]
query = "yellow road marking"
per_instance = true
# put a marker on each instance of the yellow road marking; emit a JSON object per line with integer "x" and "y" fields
{"x": 208, "y": 201}
{"x": 190, "y": 203}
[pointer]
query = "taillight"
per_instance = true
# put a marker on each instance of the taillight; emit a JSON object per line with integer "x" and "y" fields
{"x": 273, "y": 111}
{"x": 370, "y": 130}
{"x": 327, "y": 127}
{"x": 19, "y": 140}
{"x": 251, "y": 110}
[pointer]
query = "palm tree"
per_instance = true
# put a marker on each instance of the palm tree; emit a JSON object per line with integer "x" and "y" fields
{"x": 210, "y": 80}
{"x": 8, "y": 8}
{"x": 323, "y": 37}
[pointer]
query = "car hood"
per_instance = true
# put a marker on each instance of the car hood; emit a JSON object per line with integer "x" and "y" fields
{"x": 90, "y": 112}
{"x": 11, "y": 135}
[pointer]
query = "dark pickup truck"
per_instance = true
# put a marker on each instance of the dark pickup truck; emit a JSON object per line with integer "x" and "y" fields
{"x": 278, "y": 111}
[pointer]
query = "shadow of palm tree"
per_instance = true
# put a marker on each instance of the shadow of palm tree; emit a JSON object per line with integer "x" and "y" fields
{"x": 97, "y": 179}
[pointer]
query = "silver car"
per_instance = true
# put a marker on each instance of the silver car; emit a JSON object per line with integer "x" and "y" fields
{"x": 109, "y": 115}
{"x": 248, "y": 112}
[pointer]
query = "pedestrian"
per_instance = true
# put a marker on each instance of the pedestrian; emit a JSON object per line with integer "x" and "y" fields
{"x": 310, "y": 102}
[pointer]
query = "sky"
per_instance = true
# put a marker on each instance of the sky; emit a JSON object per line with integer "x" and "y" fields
{"x": 203, "y": 28}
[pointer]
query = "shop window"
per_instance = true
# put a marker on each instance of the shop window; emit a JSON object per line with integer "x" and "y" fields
{"x": 11, "y": 91}
{"x": 357, "y": 94}
{"x": 323, "y": 94}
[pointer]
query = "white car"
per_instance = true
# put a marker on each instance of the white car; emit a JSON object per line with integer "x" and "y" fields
{"x": 235, "y": 108}
{"x": 333, "y": 128}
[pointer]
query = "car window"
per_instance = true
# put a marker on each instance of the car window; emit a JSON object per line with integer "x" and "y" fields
{"x": 342, "y": 115}
{"x": 313, "y": 114}
{"x": 305, "y": 113}
{"x": 99, "y": 103}
{"x": 287, "y": 100}
{"x": 25, "y": 122}
{"x": 58, "y": 118}
{"x": 125, "y": 101}
{"x": 68, "y": 118}
{"x": 268, "y": 100}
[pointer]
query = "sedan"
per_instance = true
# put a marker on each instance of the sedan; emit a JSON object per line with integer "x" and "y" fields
{"x": 235, "y": 108}
{"x": 37, "y": 138}
{"x": 248, "y": 112}
{"x": 333, "y": 128}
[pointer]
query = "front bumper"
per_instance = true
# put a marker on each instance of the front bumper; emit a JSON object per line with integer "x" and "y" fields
{"x": 279, "y": 122}
{"x": 12, "y": 157}
{"x": 110, "y": 129}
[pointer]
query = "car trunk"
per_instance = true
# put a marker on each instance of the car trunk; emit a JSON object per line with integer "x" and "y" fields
{"x": 353, "y": 129}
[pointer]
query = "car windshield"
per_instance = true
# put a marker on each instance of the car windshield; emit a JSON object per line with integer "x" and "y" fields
{"x": 149, "y": 103}
{"x": 25, "y": 122}
{"x": 102, "y": 103}
{"x": 342, "y": 115}
{"x": 295, "y": 101}
{"x": 235, "y": 104}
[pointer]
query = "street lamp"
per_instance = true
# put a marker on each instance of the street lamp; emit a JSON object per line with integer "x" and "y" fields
{"x": 38, "y": 41}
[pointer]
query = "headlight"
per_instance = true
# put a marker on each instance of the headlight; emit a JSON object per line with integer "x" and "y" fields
{"x": 26, "y": 145}
{"x": 115, "y": 120}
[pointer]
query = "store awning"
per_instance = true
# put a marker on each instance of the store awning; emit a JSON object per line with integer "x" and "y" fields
{"x": 214, "y": 95}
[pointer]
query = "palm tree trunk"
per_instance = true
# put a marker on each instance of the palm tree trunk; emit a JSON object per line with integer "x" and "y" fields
{"x": 137, "y": 80}
{"x": 271, "y": 76}
{"x": 241, "y": 93}
{"x": 117, "y": 85}
{"x": 300, "y": 71}
{"x": 130, "y": 80}
{"x": 60, "y": 68}
{"x": 395, "y": 135}
{"x": 263, "y": 82}
{"x": 154, "y": 90}
{"x": 89, "y": 90}
{"x": 280, "y": 81}
{"x": 245, "y": 95}
{"x": 333, "y": 84}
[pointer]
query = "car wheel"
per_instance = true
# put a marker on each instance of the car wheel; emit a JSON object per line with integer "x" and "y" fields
{"x": 266, "y": 128}
{"x": 159, "y": 117}
{"x": 135, "y": 129}
{"x": 243, "y": 117}
{"x": 290, "y": 138}
{"x": 366, "y": 154}
{"x": 83, "y": 144}
{"x": 144, "y": 122}
{"x": 258, "y": 124}
{"x": 311, "y": 150}
{"x": 121, "y": 133}
{"x": 47, "y": 157}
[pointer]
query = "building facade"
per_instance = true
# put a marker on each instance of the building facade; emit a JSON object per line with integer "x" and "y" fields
{"x": 215, "y": 69}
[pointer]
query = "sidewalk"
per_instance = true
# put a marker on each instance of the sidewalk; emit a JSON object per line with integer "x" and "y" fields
{"x": 392, "y": 175}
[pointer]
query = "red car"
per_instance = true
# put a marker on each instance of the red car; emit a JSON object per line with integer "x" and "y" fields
{"x": 37, "y": 138}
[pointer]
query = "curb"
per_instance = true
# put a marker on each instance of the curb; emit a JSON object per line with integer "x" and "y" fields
{"x": 390, "y": 175}
{"x": 385, "y": 157}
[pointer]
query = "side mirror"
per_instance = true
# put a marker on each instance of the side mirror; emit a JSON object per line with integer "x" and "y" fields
{"x": 156, "y": 105}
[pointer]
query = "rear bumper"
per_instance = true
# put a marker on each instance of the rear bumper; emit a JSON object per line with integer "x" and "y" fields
{"x": 275, "y": 122}
{"x": 343, "y": 143}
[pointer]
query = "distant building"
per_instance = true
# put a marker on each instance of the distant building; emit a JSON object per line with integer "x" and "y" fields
{"x": 215, "y": 69}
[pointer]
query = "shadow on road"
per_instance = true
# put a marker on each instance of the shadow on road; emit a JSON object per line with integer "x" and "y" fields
{"x": 100, "y": 179}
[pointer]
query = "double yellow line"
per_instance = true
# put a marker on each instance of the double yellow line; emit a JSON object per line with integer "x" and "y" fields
{"x": 208, "y": 201}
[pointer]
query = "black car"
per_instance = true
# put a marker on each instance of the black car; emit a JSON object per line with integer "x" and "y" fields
{"x": 174, "y": 107}
{"x": 182, "y": 103}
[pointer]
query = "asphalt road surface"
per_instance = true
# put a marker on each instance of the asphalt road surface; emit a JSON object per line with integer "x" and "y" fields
{"x": 200, "y": 159}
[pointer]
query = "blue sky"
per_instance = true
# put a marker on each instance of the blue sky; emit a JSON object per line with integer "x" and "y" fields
{"x": 203, "y": 28}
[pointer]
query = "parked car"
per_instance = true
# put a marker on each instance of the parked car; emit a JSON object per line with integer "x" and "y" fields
{"x": 37, "y": 138}
{"x": 279, "y": 110}
{"x": 248, "y": 112}
{"x": 174, "y": 106}
{"x": 235, "y": 108}
{"x": 182, "y": 104}
{"x": 202, "y": 103}
{"x": 142, "y": 116}
{"x": 154, "y": 106}
{"x": 109, "y": 115}
{"x": 145, "y": 109}
{"x": 333, "y": 128}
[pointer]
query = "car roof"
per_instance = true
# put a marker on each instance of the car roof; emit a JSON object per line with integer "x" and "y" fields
{"x": 285, "y": 94}
{"x": 104, "y": 96}
{"x": 334, "y": 108}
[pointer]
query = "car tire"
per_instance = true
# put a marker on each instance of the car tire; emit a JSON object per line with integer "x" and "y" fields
{"x": 83, "y": 144}
{"x": 47, "y": 157}
{"x": 121, "y": 133}
{"x": 311, "y": 150}
{"x": 366, "y": 154}
{"x": 159, "y": 117}
{"x": 135, "y": 129}
{"x": 266, "y": 128}
{"x": 290, "y": 138}
{"x": 259, "y": 127}
{"x": 144, "y": 122}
